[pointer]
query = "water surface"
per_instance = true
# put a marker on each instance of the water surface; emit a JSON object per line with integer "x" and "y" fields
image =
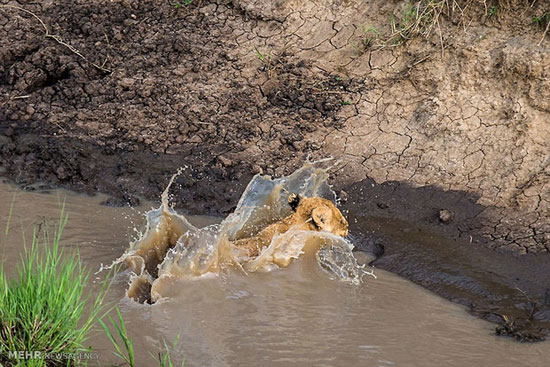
{"x": 294, "y": 316}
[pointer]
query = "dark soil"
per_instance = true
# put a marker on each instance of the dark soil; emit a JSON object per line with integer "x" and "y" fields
{"x": 177, "y": 95}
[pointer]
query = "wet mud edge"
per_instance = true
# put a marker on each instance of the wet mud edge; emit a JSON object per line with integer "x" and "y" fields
{"x": 422, "y": 234}
{"x": 425, "y": 235}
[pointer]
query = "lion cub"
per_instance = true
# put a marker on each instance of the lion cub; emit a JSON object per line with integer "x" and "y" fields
{"x": 312, "y": 214}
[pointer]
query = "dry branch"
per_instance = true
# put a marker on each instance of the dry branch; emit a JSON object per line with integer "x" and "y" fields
{"x": 58, "y": 39}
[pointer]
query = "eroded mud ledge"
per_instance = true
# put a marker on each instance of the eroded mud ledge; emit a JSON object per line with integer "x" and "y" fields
{"x": 231, "y": 88}
{"x": 405, "y": 224}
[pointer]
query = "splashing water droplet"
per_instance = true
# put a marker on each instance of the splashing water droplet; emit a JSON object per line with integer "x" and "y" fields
{"x": 172, "y": 247}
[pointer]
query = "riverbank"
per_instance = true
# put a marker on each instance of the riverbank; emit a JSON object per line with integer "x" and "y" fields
{"x": 114, "y": 99}
{"x": 449, "y": 125}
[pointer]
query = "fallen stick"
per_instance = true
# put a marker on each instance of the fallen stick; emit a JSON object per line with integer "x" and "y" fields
{"x": 57, "y": 38}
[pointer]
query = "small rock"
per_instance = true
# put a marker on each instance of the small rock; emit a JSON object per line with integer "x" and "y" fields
{"x": 226, "y": 162}
{"x": 195, "y": 139}
{"x": 343, "y": 196}
{"x": 446, "y": 216}
{"x": 364, "y": 258}
{"x": 279, "y": 172}
{"x": 118, "y": 35}
{"x": 257, "y": 169}
{"x": 382, "y": 205}
{"x": 127, "y": 82}
{"x": 61, "y": 173}
{"x": 314, "y": 146}
{"x": 378, "y": 249}
{"x": 299, "y": 145}
{"x": 208, "y": 9}
{"x": 180, "y": 71}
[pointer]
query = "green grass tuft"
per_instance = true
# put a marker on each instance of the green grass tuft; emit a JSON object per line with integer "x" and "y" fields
{"x": 124, "y": 349}
{"x": 419, "y": 18}
{"x": 424, "y": 17}
{"x": 180, "y": 5}
{"x": 43, "y": 308}
{"x": 164, "y": 359}
{"x": 124, "y": 346}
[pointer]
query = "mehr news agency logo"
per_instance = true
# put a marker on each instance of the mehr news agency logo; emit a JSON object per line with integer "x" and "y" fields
{"x": 25, "y": 355}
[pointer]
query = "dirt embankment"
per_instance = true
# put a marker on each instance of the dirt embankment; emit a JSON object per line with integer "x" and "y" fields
{"x": 115, "y": 97}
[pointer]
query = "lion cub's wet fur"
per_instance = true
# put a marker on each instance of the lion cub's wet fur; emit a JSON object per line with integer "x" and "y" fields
{"x": 312, "y": 214}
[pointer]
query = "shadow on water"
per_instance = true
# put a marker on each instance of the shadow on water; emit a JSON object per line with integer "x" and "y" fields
{"x": 404, "y": 224}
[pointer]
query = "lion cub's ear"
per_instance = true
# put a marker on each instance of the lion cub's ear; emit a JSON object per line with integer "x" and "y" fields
{"x": 294, "y": 201}
{"x": 322, "y": 218}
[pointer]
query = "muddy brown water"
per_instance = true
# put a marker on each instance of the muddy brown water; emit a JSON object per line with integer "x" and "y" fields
{"x": 295, "y": 316}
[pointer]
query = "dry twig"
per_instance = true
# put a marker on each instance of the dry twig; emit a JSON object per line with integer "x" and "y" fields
{"x": 544, "y": 34}
{"x": 58, "y": 39}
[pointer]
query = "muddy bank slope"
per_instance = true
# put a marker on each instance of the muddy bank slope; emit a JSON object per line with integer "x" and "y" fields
{"x": 115, "y": 97}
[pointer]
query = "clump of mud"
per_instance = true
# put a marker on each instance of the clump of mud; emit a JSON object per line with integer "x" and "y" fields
{"x": 172, "y": 247}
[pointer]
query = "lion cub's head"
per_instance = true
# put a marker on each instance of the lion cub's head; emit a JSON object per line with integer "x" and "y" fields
{"x": 321, "y": 213}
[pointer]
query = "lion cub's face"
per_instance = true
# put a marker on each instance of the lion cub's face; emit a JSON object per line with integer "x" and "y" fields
{"x": 321, "y": 213}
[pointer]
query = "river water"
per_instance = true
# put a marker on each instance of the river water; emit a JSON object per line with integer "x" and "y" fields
{"x": 295, "y": 316}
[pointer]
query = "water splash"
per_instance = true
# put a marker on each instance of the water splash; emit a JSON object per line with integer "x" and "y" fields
{"x": 171, "y": 247}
